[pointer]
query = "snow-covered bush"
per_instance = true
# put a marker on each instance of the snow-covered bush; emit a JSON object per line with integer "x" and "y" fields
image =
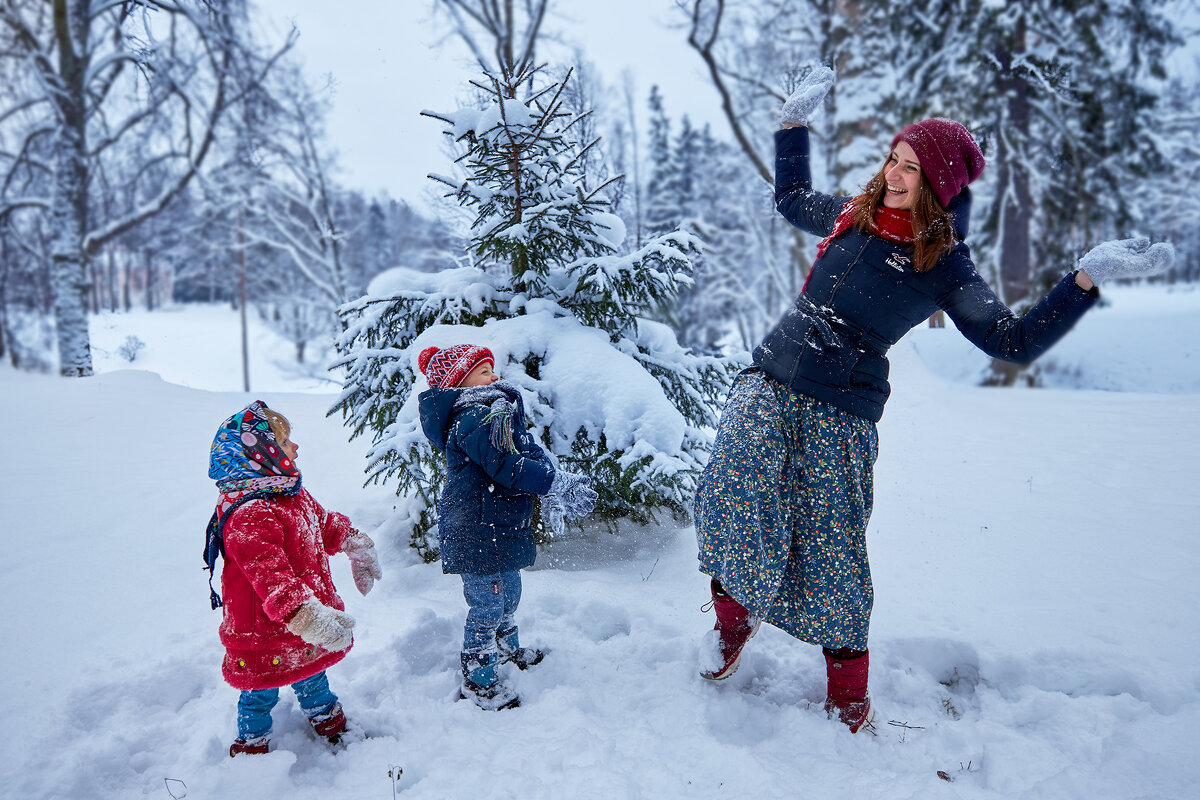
{"x": 572, "y": 321}
{"x": 132, "y": 347}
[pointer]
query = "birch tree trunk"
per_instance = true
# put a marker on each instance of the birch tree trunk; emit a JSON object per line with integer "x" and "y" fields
{"x": 69, "y": 195}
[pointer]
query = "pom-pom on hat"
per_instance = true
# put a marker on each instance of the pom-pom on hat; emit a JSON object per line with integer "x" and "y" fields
{"x": 949, "y": 156}
{"x": 445, "y": 369}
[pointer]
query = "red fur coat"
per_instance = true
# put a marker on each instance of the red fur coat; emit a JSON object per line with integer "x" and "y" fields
{"x": 276, "y": 557}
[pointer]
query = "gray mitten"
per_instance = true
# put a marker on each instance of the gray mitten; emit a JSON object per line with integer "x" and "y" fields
{"x": 573, "y": 493}
{"x": 317, "y": 623}
{"x": 1127, "y": 258}
{"x": 807, "y": 96}
{"x": 552, "y": 515}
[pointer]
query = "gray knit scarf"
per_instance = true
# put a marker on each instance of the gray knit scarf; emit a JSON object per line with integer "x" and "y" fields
{"x": 503, "y": 400}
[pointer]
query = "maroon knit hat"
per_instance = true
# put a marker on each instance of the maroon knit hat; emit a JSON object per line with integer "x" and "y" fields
{"x": 445, "y": 369}
{"x": 949, "y": 156}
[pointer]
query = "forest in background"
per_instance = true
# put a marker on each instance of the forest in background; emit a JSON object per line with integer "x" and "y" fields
{"x": 155, "y": 153}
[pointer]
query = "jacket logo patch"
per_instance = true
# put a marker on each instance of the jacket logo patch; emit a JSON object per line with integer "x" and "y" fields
{"x": 898, "y": 262}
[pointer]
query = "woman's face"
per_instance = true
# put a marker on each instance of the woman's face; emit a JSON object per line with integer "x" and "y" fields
{"x": 903, "y": 176}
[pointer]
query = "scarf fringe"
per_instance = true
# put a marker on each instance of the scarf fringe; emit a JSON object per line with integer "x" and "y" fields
{"x": 500, "y": 412}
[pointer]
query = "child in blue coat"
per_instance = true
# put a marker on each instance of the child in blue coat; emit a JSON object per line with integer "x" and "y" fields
{"x": 485, "y": 513}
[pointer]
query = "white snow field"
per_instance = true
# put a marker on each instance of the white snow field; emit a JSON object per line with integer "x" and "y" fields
{"x": 1036, "y": 623}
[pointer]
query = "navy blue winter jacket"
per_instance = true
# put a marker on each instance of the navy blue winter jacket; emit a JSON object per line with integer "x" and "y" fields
{"x": 485, "y": 513}
{"x": 863, "y": 295}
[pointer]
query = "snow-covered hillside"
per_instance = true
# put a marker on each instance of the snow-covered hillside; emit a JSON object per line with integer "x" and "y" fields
{"x": 1036, "y": 625}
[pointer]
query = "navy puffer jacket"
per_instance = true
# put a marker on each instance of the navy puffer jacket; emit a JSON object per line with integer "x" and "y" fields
{"x": 863, "y": 295}
{"x": 485, "y": 513}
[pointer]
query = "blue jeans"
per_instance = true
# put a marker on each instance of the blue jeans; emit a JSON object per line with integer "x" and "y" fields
{"x": 491, "y": 605}
{"x": 254, "y": 706}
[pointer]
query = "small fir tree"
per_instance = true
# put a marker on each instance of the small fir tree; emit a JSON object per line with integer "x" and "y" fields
{"x": 570, "y": 317}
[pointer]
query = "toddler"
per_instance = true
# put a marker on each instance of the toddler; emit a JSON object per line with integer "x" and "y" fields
{"x": 283, "y": 622}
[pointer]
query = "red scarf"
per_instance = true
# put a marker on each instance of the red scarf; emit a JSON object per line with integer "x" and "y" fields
{"x": 889, "y": 223}
{"x": 895, "y": 226}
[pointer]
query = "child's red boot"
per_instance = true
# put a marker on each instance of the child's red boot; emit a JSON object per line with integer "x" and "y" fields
{"x": 255, "y": 746}
{"x": 331, "y": 725}
{"x": 735, "y": 625}
{"x": 847, "y": 694}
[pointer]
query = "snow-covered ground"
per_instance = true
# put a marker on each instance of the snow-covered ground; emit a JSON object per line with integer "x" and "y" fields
{"x": 1034, "y": 555}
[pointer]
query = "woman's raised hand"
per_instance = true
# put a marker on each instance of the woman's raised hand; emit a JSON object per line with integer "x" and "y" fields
{"x": 1127, "y": 258}
{"x": 807, "y": 96}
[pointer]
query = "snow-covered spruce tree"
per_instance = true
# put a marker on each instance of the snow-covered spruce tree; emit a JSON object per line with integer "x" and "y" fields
{"x": 569, "y": 316}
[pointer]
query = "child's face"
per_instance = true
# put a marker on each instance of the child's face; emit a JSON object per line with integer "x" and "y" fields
{"x": 289, "y": 447}
{"x": 482, "y": 375}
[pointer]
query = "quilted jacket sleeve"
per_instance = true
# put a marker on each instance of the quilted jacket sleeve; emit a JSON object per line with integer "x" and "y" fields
{"x": 254, "y": 538}
{"x": 991, "y": 326}
{"x": 525, "y": 472}
{"x": 812, "y": 212}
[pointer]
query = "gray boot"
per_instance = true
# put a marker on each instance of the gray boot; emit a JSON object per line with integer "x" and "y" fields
{"x": 511, "y": 650}
{"x": 481, "y": 684}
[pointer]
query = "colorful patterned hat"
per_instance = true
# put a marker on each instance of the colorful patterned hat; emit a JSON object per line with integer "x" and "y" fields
{"x": 445, "y": 369}
{"x": 245, "y": 447}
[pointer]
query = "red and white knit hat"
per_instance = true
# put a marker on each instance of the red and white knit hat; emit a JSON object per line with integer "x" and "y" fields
{"x": 445, "y": 369}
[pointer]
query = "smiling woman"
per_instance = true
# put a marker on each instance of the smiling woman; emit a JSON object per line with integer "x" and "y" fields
{"x": 783, "y": 504}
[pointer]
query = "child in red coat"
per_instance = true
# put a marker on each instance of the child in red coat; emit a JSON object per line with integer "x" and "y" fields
{"x": 283, "y": 622}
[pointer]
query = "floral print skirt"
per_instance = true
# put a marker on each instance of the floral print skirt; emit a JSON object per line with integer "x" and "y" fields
{"x": 782, "y": 510}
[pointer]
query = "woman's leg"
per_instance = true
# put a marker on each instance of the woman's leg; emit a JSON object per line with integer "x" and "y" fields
{"x": 743, "y": 522}
{"x": 735, "y": 625}
{"x": 846, "y": 696}
{"x": 827, "y": 595}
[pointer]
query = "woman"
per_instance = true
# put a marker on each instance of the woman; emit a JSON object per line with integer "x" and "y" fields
{"x": 782, "y": 507}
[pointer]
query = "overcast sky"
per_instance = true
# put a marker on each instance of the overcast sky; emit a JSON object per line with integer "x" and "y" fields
{"x": 391, "y": 59}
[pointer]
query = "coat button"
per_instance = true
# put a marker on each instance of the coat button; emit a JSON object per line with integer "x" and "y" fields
{"x": 276, "y": 661}
{"x": 241, "y": 662}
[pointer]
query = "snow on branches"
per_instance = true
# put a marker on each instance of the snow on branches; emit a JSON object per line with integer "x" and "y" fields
{"x": 574, "y": 321}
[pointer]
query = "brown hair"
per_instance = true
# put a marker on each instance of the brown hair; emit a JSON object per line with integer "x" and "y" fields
{"x": 933, "y": 226}
{"x": 279, "y": 425}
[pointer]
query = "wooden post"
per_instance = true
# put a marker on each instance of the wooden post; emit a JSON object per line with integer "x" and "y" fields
{"x": 242, "y": 292}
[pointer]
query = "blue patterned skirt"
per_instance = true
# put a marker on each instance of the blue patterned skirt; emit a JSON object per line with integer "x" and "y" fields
{"x": 782, "y": 510}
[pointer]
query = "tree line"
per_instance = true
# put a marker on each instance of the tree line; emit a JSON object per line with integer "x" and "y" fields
{"x": 155, "y": 152}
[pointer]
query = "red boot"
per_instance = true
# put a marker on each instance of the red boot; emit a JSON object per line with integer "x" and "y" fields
{"x": 331, "y": 725}
{"x": 847, "y": 696}
{"x": 735, "y": 625}
{"x": 253, "y": 747}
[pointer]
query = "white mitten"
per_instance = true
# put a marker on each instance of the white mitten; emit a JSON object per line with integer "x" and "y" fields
{"x": 1127, "y": 258}
{"x": 807, "y": 96}
{"x": 317, "y": 623}
{"x": 364, "y": 562}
